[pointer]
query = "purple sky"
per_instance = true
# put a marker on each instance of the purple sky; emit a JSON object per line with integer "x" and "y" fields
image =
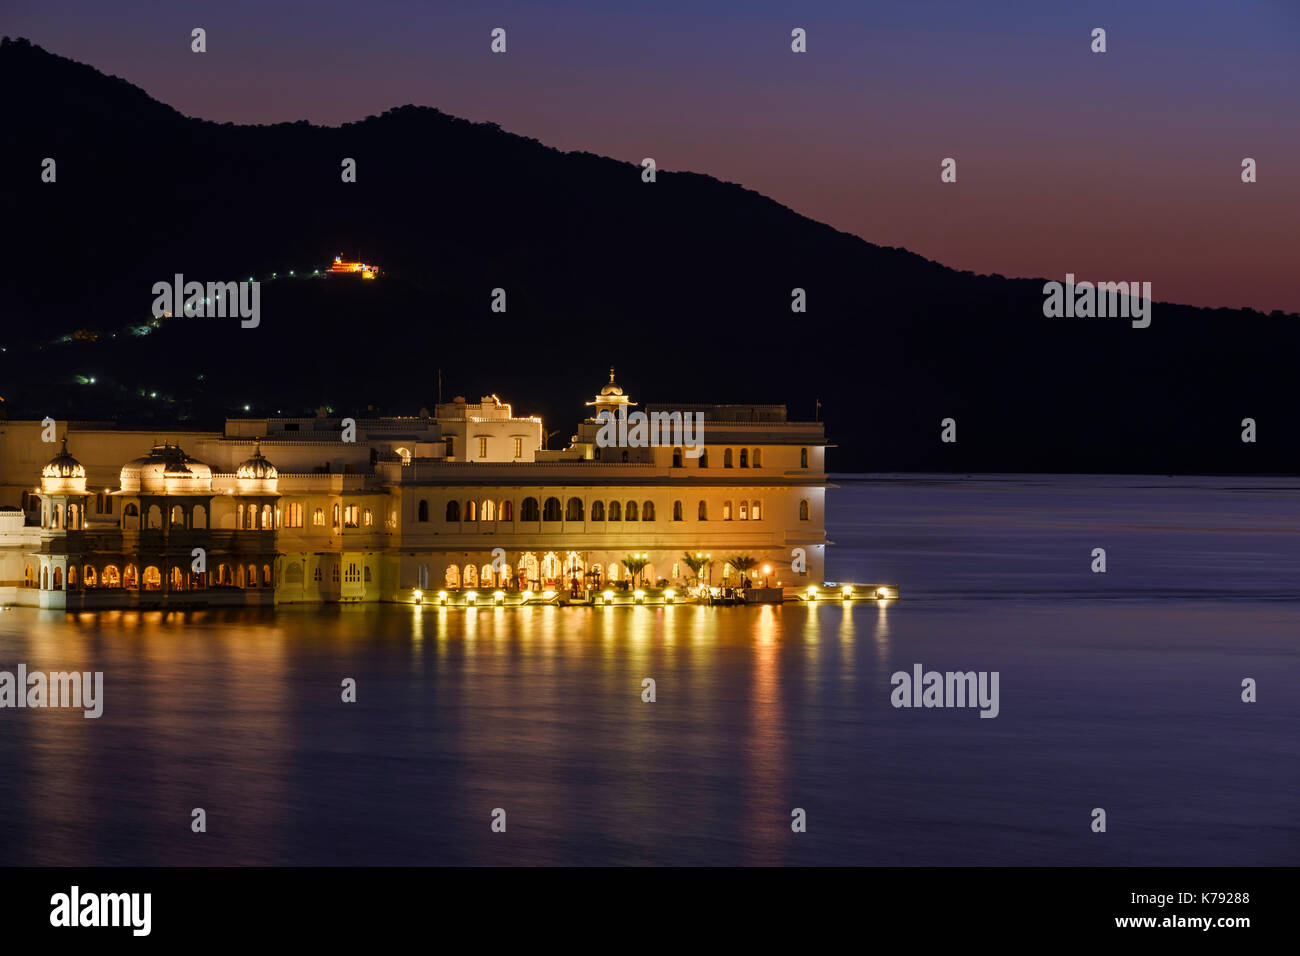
{"x": 1116, "y": 166}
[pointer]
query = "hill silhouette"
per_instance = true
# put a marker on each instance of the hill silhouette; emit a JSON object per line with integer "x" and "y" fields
{"x": 683, "y": 284}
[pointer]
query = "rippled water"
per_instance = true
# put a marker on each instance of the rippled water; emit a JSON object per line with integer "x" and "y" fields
{"x": 1119, "y": 691}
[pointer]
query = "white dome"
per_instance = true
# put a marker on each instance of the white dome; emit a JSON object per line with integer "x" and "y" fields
{"x": 63, "y": 473}
{"x": 167, "y": 470}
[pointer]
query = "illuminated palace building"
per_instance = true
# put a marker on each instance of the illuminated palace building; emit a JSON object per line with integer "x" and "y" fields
{"x": 281, "y": 510}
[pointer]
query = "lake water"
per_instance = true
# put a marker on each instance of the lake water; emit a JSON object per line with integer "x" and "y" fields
{"x": 1119, "y": 690}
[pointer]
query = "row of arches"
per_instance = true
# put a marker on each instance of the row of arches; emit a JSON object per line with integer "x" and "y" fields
{"x": 550, "y": 571}
{"x": 575, "y": 510}
{"x": 131, "y": 578}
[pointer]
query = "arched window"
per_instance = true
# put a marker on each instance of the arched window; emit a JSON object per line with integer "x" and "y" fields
{"x": 318, "y": 518}
{"x": 178, "y": 516}
{"x": 550, "y": 567}
{"x": 422, "y": 511}
{"x": 726, "y": 458}
{"x": 744, "y": 511}
{"x": 111, "y": 578}
{"x": 470, "y": 576}
{"x": 726, "y": 511}
{"x": 58, "y": 579}
{"x": 337, "y": 525}
{"x": 367, "y": 518}
{"x": 528, "y": 567}
{"x": 629, "y": 513}
{"x": 506, "y": 511}
{"x": 29, "y": 576}
{"x": 152, "y": 579}
{"x": 471, "y": 511}
{"x": 453, "y": 511}
{"x": 615, "y": 511}
{"x": 551, "y": 510}
{"x": 573, "y": 510}
{"x": 744, "y": 458}
{"x": 677, "y": 458}
{"x": 293, "y": 573}
{"x": 72, "y": 526}
{"x": 486, "y": 576}
{"x": 704, "y": 458}
{"x": 266, "y": 575}
{"x": 758, "y": 458}
{"x": 598, "y": 511}
{"x": 252, "y": 575}
{"x": 803, "y": 457}
{"x": 72, "y": 577}
{"x": 803, "y": 509}
{"x": 704, "y": 510}
{"x": 615, "y": 573}
{"x": 87, "y": 576}
{"x": 131, "y": 578}
{"x": 528, "y": 510}
{"x": 45, "y": 579}
{"x": 267, "y": 519}
{"x": 131, "y": 511}
{"x": 755, "y": 510}
{"x": 488, "y": 510}
{"x": 199, "y": 517}
{"x": 58, "y": 520}
{"x": 452, "y": 576}
{"x": 677, "y": 511}
{"x": 648, "y": 511}
{"x": 176, "y": 580}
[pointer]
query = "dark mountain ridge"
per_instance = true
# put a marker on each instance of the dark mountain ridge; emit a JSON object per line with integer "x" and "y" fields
{"x": 684, "y": 285}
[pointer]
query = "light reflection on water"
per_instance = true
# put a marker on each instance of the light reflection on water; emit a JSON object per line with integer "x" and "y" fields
{"x": 1125, "y": 698}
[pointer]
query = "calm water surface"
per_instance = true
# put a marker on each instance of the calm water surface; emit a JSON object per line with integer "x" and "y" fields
{"x": 1119, "y": 691}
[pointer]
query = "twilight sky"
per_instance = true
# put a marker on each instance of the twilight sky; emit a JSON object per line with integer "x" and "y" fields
{"x": 1117, "y": 166}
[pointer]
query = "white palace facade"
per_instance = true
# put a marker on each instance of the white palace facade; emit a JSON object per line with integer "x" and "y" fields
{"x": 281, "y": 510}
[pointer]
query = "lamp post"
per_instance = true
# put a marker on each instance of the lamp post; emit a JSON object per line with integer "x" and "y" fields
{"x": 767, "y": 569}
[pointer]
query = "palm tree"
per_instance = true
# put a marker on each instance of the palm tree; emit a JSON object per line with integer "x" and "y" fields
{"x": 635, "y": 564}
{"x": 547, "y": 436}
{"x": 742, "y": 563}
{"x": 696, "y": 562}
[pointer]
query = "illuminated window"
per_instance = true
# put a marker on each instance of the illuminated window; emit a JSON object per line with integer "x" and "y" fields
{"x": 350, "y": 516}
{"x": 367, "y": 518}
{"x": 488, "y": 510}
{"x": 506, "y": 511}
{"x": 704, "y": 511}
{"x": 648, "y": 511}
{"x": 758, "y": 458}
{"x": 754, "y": 510}
{"x": 744, "y": 511}
{"x": 482, "y": 447}
{"x": 293, "y": 515}
{"x": 471, "y": 511}
{"x": 677, "y": 514}
{"x": 726, "y": 511}
{"x": 519, "y": 448}
{"x": 598, "y": 511}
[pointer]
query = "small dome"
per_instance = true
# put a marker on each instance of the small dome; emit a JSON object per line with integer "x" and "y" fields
{"x": 611, "y": 388}
{"x": 63, "y": 465}
{"x": 257, "y": 467}
{"x": 63, "y": 474}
